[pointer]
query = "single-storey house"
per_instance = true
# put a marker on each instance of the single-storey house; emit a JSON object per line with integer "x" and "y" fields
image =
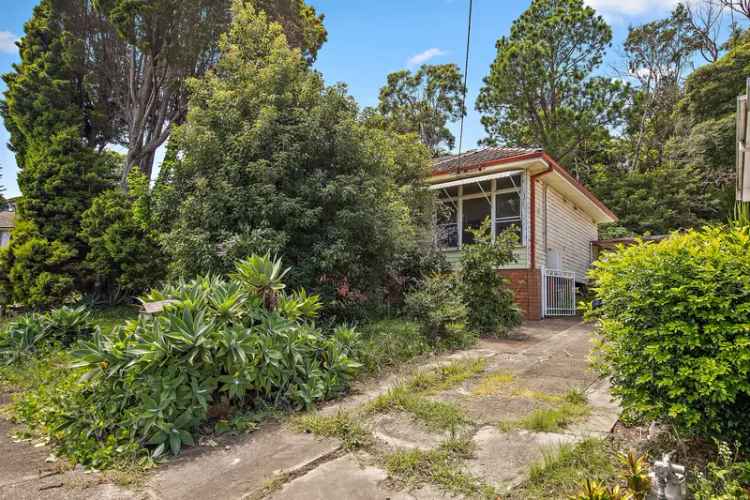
{"x": 556, "y": 217}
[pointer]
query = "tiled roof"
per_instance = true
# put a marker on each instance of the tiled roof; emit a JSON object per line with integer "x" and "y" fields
{"x": 476, "y": 158}
{"x": 7, "y": 220}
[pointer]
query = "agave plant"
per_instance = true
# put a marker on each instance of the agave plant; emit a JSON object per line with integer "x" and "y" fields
{"x": 262, "y": 276}
{"x": 21, "y": 338}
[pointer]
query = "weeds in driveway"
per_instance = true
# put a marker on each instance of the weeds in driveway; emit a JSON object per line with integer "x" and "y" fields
{"x": 410, "y": 396}
{"x": 573, "y": 407}
{"x": 437, "y": 415}
{"x": 342, "y": 426}
{"x": 441, "y": 466}
{"x": 445, "y": 377}
{"x": 493, "y": 383}
{"x": 561, "y": 472}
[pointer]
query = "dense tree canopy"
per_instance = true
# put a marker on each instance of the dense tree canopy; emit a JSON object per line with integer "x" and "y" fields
{"x": 423, "y": 103}
{"x": 59, "y": 169}
{"x": 541, "y": 89}
{"x": 270, "y": 159}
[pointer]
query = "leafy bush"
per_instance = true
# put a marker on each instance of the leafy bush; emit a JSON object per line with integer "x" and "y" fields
{"x": 726, "y": 479}
{"x": 491, "y": 306}
{"x": 67, "y": 325}
{"x": 124, "y": 257}
{"x": 35, "y": 271}
{"x": 388, "y": 343}
{"x": 437, "y": 305}
{"x": 218, "y": 344}
{"x": 674, "y": 323}
{"x": 21, "y": 338}
{"x": 337, "y": 199}
{"x": 35, "y": 333}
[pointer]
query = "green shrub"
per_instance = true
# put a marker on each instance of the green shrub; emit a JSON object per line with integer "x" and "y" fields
{"x": 21, "y": 338}
{"x": 437, "y": 305}
{"x": 217, "y": 344}
{"x": 674, "y": 323}
{"x": 491, "y": 306}
{"x": 124, "y": 257}
{"x": 35, "y": 271}
{"x": 67, "y": 325}
{"x": 725, "y": 479}
{"x": 35, "y": 333}
{"x": 388, "y": 343}
{"x": 290, "y": 168}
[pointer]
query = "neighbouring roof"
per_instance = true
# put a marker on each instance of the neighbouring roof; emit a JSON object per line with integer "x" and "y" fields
{"x": 7, "y": 220}
{"x": 477, "y": 158}
{"x": 614, "y": 242}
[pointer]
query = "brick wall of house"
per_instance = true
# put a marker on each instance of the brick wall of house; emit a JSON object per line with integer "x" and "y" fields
{"x": 526, "y": 288}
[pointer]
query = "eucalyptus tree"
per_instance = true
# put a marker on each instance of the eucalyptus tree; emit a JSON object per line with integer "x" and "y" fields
{"x": 658, "y": 55}
{"x": 424, "y": 103}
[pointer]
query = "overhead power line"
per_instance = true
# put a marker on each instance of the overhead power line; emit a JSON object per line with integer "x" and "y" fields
{"x": 466, "y": 76}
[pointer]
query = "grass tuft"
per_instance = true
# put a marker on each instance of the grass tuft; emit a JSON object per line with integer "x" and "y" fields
{"x": 437, "y": 415}
{"x": 561, "y": 472}
{"x": 441, "y": 466}
{"x": 445, "y": 377}
{"x": 341, "y": 426}
{"x": 573, "y": 407}
{"x": 492, "y": 384}
{"x": 410, "y": 395}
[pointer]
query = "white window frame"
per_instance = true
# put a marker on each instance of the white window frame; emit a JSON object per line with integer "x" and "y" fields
{"x": 459, "y": 200}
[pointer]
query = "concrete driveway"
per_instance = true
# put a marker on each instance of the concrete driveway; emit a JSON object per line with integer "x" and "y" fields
{"x": 281, "y": 463}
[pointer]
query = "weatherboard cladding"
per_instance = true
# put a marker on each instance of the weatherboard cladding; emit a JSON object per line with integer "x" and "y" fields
{"x": 570, "y": 232}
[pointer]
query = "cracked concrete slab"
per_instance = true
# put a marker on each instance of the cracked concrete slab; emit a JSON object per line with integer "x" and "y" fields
{"x": 503, "y": 458}
{"x": 569, "y": 369}
{"x": 349, "y": 477}
{"x": 489, "y": 410}
{"x": 243, "y": 469}
{"x": 400, "y": 430}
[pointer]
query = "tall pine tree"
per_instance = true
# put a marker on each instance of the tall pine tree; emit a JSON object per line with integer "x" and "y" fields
{"x": 44, "y": 109}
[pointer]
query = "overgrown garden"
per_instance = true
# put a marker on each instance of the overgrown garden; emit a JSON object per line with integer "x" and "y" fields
{"x": 287, "y": 237}
{"x": 287, "y": 243}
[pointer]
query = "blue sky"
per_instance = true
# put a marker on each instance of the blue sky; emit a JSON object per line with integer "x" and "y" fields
{"x": 368, "y": 39}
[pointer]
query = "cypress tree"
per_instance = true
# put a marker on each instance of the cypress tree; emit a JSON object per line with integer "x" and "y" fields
{"x": 44, "y": 109}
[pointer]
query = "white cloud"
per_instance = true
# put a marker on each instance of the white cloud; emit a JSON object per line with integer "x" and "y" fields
{"x": 630, "y": 8}
{"x": 425, "y": 56}
{"x": 8, "y": 42}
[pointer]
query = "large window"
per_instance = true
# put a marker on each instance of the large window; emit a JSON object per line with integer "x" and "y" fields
{"x": 465, "y": 207}
{"x": 476, "y": 210}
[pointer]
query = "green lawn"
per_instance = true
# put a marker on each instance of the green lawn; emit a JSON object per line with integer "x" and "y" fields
{"x": 108, "y": 317}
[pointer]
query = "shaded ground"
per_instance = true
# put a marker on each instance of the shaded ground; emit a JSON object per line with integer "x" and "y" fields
{"x": 517, "y": 378}
{"x": 28, "y": 471}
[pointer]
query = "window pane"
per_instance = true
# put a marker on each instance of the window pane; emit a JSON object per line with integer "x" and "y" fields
{"x": 450, "y": 192}
{"x": 475, "y": 211}
{"x": 446, "y": 230}
{"x": 513, "y": 181}
{"x": 478, "y": 187}
{"x": 508, "y": 205}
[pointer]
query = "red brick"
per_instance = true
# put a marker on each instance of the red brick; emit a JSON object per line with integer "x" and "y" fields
{"x": 526, "y": 289}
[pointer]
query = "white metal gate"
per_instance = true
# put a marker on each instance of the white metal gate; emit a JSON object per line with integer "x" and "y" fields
{"x": 558, "y": 293}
